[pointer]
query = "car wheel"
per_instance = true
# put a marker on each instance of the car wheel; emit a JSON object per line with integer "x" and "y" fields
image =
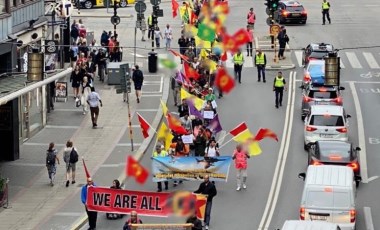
{"x": 123, "y": 3}
{"x": 88, "y": 4}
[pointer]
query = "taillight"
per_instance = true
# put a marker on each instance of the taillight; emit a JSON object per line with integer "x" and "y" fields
{"x": 285, "y": 13}
{"x": 304, "y": 12}
{"x": 302, "y": 213}
{"x": 307, "y": 99}
{"x": 310, "y": 129}
{"x": 316, "y": 163}
{"x": 354, "y": 166}
{"x": 338, "y": 100}
{"x": 352, "y": 215}
{"x": 307, "y": 78}
{"x": 310, "y": 58}
{"x": 342, "y": 130}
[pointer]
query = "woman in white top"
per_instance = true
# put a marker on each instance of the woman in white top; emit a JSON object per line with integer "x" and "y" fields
{"x": 168, "y": 36}
{"x": 86, "y": 90}
{"x": 212, "y": 149}
{"x": 158, "y": 36}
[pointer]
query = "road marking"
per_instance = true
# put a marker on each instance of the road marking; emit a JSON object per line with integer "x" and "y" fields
{"x": 111, "y": 165}
{"x": 137, "y": 55}
{"x": 354, "y": 61}
{"x": 368, "y": 218}
{"x": 282, "y": 156}
{"x": 151, "y": 95}
{"x": 127, "y": 144}
{"x": 371, "y": 60}
{"x": 341, "y": 65}
{"x": 299, "y": 57}
{"x": 361, "y": 135}
{"x": 372, "y": 178}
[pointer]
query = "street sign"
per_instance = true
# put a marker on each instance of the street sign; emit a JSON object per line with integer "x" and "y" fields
{"x": 155, "y": 2}
{"x": 115, "y": 20}
{"x": 140, "y": 7}
{"x": 274, "y": 29}
{"x": 64, "y": 9}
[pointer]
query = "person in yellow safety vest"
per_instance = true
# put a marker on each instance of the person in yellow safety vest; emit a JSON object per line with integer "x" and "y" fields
{"x": 279, "y": 85}
{"x": 325, "y": 11}
{"x": 160, "y": 152}
{"x": 238, "y": 60}
{"x": 150, "y": 26}
{"x": 260, "y": 63}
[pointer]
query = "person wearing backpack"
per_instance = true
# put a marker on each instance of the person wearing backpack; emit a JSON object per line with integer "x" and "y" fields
{"x": 51, "y": 159}
{"x": 70, "y": 157}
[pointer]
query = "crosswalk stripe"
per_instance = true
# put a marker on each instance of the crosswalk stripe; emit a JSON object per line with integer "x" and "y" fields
{"x": 371, "y": 60}
{"x": 341, "y": 64}
{"x": 354, "y": 61}
{"x": 299, "y": 57}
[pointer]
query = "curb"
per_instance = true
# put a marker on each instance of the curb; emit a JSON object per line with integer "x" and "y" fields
{"x": 100, "y": 16}
{"x": 280, "y": 67}
{"x": 140, "y": 151}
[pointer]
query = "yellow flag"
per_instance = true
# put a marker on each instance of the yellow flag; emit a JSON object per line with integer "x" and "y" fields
{"x": 164, "y": 136}
{"x": 191, "y": 30}
{"x": 211, "y": 65}
{"x": 254, "y": 148}
{"x": 246, "y": 138}
{"x": 164, "y": 108}
{"x": 198, "y": 103}
{"x": 243, "y": 136}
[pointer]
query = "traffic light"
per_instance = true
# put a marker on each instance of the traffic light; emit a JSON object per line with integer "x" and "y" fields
{"x": 269, "y": 6}
{"x": 274, "y": 4}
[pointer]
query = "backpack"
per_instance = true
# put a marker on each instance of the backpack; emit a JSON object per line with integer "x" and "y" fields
{"x": 73, "y": 156}
{"x": 50, "y": 158}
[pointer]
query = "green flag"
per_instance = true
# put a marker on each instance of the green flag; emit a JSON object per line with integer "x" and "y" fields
{"x": 168, "y": 63}
{"x": 206, "y": 33}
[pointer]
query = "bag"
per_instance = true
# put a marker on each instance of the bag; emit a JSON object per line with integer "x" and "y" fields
{"x": 73, "y": 156}
{"x": 50, "y": 158}
{"x": 77, "y": 102}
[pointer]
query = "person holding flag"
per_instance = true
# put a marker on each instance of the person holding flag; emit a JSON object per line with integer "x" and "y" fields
{"x": 240, "y": 156}
{"x": 160, "y": 152}
{"x": 92, "y": 215}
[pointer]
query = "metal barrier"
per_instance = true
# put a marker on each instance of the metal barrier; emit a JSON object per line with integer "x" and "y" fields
{"x": 161, "y": 226}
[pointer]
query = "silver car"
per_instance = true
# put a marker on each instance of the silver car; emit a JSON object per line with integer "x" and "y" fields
{"x": 325, "y": 122}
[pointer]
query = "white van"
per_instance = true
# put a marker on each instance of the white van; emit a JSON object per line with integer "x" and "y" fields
{"x": 309, "y": 225}
{"x": 329, "y": 195}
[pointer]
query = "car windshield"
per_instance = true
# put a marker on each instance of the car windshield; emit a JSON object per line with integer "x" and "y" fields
{"x": 319, "y": 54}
{"x": 322, "y": 95}
{"x": 328, "y": 199}
{"x": 326, "y": 120}
{"x": 327, "y": 150}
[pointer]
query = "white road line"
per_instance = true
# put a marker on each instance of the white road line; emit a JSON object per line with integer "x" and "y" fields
{"x": 341, "y": 63}
{"x": 281, "y": 160}
{"x": 162, "y": 84}
{"x": 137, "y": 55}
{"x": 299, "y": 57}
{"x": 361, "y": 135}
{"x": 151, "y": 95}
{"x": 354, "y": 61}
{"x": 371, "y": 60}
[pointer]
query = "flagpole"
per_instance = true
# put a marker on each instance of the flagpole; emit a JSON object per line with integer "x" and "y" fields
{"x": 226, "y": 142}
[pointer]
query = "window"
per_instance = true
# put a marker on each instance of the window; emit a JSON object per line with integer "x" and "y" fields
{"x": 326, "y": 120}
{"x": 3, "y": 8}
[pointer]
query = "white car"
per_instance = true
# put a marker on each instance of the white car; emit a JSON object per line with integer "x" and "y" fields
{"x": 325, "y": 122}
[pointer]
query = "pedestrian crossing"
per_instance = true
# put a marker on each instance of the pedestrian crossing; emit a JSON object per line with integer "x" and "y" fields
{"x": 350, "y": 59}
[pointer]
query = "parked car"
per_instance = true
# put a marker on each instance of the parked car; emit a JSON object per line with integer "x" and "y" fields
{"x": 88, "y": 4}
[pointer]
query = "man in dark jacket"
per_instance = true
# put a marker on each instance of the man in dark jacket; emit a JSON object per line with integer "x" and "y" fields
{"x": 183, "y": 44}
{"x": 209, "y": 189}
{"x": 138, "y": 79}
{"x": 183, "y": 108}
{"x": 282, "y": 40}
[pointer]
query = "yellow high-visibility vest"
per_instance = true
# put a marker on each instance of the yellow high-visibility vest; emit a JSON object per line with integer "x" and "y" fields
{"x": 238, "y": 59}
{"x": 150, "y": 20}
{"x": 279, "y": 82}
{"x": 325, "y": 5}
{"x": 260, "y": 60}
{"x": 163, "y": 153}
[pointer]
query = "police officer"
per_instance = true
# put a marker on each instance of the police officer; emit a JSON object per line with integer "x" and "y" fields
{"x": 238, "y": 60}
{"x": 279, "y": 85}
{"x": 150, "y": 27}
{"x": 326, "y": 11}
{"x": 260, "y": 63}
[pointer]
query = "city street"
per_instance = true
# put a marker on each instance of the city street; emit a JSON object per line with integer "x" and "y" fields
{"x": 274, "y": 190}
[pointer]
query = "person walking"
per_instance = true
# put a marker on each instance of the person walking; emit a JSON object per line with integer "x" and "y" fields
{"x": 175, "y": 89}
{"x": 183, "y": 44}
{"x": 240, "y": 156}
{"x": 76, "y": 78}
{"x": 94, "y": 100}
{"x": 150, "y": 26}
{"x": 168, "y": 33}
{"x": 51, "y": 160}
{"x": 279, "y": 85}
{"x": 138, "y": 79}
{"x": 325, "y": 12}
{"x": 282, "y": 40}
{"x": 143, "y": 29}
{"x": 209, "y": 189}
{"x": 238, "y": 60}
{"x": 260, "y": 63}
{"x": 250, "y": 41}
{"x": 251, "y": 18}
{"x": 212, "y": 149}
{"x": 133, "y": 220}
{"x": 160, "y": 153}
{"x": 70, "y": 157}
{"x": 183, "y": 108}
{"x": 158, "y": 36}
{"x": 92, "y": 215}
{"x": 86, "y": 90}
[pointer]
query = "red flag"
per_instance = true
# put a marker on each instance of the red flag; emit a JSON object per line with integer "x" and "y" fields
{"x": 175, "y": 125}
{"x": 241, "y": 37}
{"x": 224, "y": 56}
{"x": 185, "y": 58}
{"x": 144, "y": 125}
{"x": 193, "y": 18}
{"x": 175, "y": 6}
{"x": 263, "y": 133}
{"x": 239, "y": 129}
{"x": 224, "y": 81}
{"x": 190, "y": 72}
{"x": 229, "y": 43}
{"x": 135, "y": 169}
{"x": 86, "y": 170}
